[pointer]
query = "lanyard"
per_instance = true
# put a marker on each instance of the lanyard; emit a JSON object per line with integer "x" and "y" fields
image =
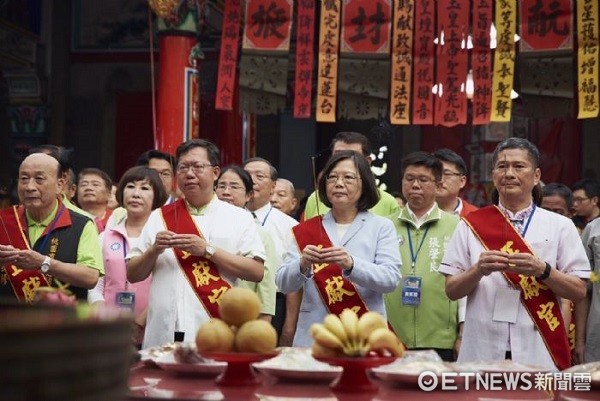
{"x": 528, "y": 221}
{"x": 266, "y": 217}
{"x": 413, "y": 255}
{"x": 125, "y": 258}
{"x": 47, "y": 236}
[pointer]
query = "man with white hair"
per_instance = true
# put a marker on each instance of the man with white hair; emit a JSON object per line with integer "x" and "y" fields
{"x": 284, "y": 196}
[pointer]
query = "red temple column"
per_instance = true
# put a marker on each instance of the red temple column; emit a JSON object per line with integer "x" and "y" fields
{"x": 178, "y": 100}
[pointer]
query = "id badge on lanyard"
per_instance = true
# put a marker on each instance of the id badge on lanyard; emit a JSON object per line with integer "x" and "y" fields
{"x": 125, "y": 300}
{"x": 411, "y": 290}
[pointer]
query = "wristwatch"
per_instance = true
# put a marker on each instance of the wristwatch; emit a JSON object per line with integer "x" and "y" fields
{"x": 45, "y": 265}
{"x": 545, "y": 274}
{"x": 209, "y": 251}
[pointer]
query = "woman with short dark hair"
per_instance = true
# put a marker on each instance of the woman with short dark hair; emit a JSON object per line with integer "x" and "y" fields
{"x": 347, "y": 258}
{"x": 140, "y": 191}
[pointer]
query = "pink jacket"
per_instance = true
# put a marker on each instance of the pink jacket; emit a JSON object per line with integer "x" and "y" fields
{"x": 114, "y": 249}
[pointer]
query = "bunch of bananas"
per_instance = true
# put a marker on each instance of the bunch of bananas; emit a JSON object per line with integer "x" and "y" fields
{"x": 349, "y": 335}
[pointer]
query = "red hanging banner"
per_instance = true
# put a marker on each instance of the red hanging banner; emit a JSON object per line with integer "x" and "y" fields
{"x": 423, "y": 65}
{"x": 305, "y": 36}
{"x": 481, "y": 62}
{"x": 546, "y": 26}
{"x": 452, "y": 62}
{"x": 228, "y": 55}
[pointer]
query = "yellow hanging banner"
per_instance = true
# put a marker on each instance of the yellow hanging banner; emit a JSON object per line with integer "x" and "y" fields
{"x": 587, "y": 58}
{"x": 504, "y": 60}
{"x": 329, "y": 41}
{"x": 402, "y": 49}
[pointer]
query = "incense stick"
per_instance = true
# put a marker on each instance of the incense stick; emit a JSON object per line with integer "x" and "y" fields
{"x": 6, "y": 231}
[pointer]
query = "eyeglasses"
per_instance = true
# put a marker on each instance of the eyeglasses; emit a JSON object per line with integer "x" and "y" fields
{"x": 423, "y": 180}
{"x": 196, "y": 168}
{"x": 448, "y": 173}
{"x": 164, "y": 173}
{"x": 346, "y": 178}
{"x": 579, "y": 200}
{"x": 222, "y": 186}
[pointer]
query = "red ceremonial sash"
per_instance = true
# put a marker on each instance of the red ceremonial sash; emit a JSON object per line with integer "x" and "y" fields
{"x": 201, "y": 273}
{"x": 24, "y": 282}
{"x": 337, "y": 293}
{"x": 495, "y": 232}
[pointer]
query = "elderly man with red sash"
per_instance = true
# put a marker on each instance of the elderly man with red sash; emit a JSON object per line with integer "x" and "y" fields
{"x": 515, "y": 261}
{"x": 196, "y": 248}
{"x": 42, "y": 242}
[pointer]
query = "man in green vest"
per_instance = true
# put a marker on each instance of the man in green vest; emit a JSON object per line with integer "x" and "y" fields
{"x": 418, "y": 309}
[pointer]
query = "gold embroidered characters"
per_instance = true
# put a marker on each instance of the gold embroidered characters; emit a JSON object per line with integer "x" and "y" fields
{"x": 30, "y": 287}
{"x": 531, "y": 287}
{"x": 202, "y": 274}
{"x": 335, "y": 289}
{"x": 545, "y": 313}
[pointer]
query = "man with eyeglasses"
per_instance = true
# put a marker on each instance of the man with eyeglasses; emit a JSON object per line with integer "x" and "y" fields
{"x": 196, "y": 249}
{"x": 279, "y": 226}
{"x": 359, "y": 143}
{"x": 515, "y": 262}
{"x": 162, "y": 163}
{"x": 586, "y": 198}
{"x": 454, "y": 179}
{"x": 418, "y": 309}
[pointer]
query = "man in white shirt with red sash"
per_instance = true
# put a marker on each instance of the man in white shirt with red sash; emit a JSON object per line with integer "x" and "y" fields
{"x": 197, "y": 248}
{"x": 515, "y": 261}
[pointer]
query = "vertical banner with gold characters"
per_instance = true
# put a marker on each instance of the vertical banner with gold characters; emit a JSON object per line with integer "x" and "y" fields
{"x": 264, "y": 61}
{"x": 402, "y": 48}
{"x": 423, "y": 75}
{"x": 230, "y": 39}
{"x": 305, "y": 37}
{"x": 364, "y": 66}
{"x": 329, "y": 40}
{"x": 587, "y": 58}
{"x": 452, "y": 62}
{"x": 504, "y": 60}
{"x": 481, "y": 61}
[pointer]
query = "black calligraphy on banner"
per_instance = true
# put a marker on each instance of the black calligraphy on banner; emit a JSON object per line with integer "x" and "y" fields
{"x": 402, "y": 48}
{"x": 328, "y": 60}
{"x": 268, "y": 24}
{"x": 232, "y": 18}
{"x": 452, "y": 63}
{"x": 366, "y": 26}
{"x": 424, "y": 62}
{"x": 304, "y": 58}
{"x": 504, "y": 61}
{"x": 546, "y": 25}
{"x": 481, "y": 61}
{"x": 588, "y": 58}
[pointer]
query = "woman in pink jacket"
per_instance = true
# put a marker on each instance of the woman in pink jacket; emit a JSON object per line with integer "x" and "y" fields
{"x": 140, "y": 191}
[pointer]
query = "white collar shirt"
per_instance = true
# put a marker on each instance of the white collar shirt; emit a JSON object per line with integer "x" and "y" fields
{"x": 555, "y": 240}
